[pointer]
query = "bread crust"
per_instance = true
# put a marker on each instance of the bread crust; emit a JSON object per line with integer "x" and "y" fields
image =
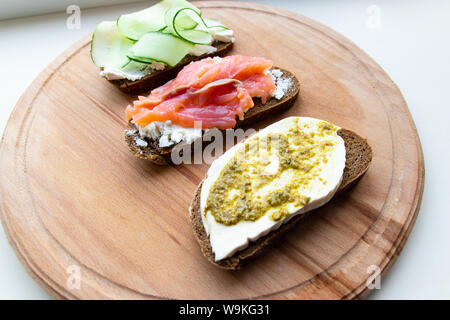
{"x": 358, "y": 158}
{"x": 158, "y": 78}
{"x": 162, "y": 156}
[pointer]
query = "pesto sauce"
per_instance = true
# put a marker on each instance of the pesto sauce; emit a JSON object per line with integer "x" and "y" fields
{"x": 234, "y": 195}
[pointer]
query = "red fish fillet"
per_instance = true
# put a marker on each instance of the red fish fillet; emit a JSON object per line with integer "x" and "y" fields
{"x": 209, "y": 93}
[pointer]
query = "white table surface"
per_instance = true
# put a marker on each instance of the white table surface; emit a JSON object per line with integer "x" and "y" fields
{"x": 412, "y": 45}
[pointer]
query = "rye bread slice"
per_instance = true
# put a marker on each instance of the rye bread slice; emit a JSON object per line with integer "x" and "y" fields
{"x": 162, "y": 156}
{"x": 358, "y": 158}
{"x": 158, "y": 78}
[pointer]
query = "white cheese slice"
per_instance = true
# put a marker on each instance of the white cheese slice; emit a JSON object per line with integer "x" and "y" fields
{"x": 227, "y": 239}
{"x": 201, "y": 49}
{"x": 226, "y": 35}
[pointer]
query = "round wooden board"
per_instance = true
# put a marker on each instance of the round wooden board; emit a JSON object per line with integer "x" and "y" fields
{"x": 73, "y": 195}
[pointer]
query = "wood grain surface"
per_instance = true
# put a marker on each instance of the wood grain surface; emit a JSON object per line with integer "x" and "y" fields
{"x": 73, "y": 196}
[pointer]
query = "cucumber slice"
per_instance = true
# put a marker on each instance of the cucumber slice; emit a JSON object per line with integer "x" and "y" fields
{"x": 188, "y": 24}
{"x": 134, "y": 66}
{"x": 109, "y": 48}
{"x": 136, "y": 70}
{"x": 165, "y": 32}
{"x": 186, "y": 18}
{"x": 132, "y": 71}
{"x": 141, "y": 60}
{"x": 135, "y": 25}
{"x": 162, "y": 47}
{"x": 196, "y": 36}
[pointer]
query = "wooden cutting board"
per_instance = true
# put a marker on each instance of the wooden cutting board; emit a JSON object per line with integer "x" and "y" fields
{"x": 73, "y": 198}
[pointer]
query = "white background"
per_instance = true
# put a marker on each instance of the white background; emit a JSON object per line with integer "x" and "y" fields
{"x": 412, "y": 45}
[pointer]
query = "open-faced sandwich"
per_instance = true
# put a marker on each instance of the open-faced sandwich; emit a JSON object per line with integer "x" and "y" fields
{"x": 262, "y": 186}
{"x": 220, "y": 93}
{"x": 145, "y": 49}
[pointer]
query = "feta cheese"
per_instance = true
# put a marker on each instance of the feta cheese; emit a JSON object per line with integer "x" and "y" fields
{"x": 116, "y": 74}
{"x": 282, "y": 83}
{"x": 226, "y": 35}
{"x": 141, "y": 143}
{"x": 169, "y": 134}
{"x": 130, "y": 132}
{"x": 156, "y": 65}
{"x": 201, "y": 49}
{"x": 134, "y": 71}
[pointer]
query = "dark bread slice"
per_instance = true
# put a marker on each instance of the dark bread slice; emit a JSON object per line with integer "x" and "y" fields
{"x": 158, "y": 78}
{"x": 259, "y": 111}
{"x": 358, "y": 158}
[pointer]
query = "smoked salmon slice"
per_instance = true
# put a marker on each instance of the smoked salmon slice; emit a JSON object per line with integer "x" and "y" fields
{"x": 210, "y": 93}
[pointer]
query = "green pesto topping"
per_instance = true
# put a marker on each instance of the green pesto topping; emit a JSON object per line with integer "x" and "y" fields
{"x": 247, "y": 189}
